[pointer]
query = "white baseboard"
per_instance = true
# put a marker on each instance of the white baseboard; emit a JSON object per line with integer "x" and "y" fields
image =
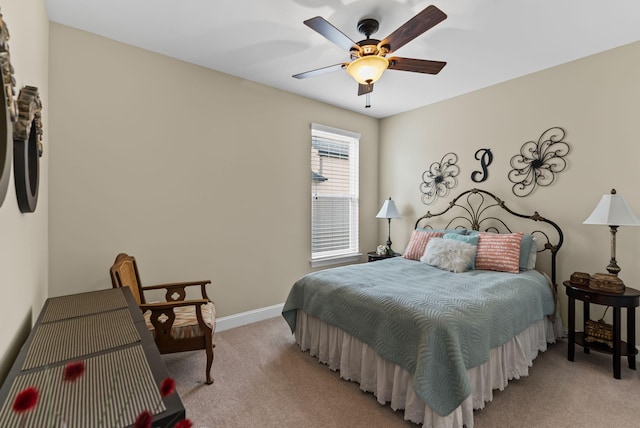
{"x": 244, "y": 318}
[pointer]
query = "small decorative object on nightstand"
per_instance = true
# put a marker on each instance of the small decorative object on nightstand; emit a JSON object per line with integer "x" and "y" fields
{"x": 382, "y": 250}
{"x": 580, "y": 278}
{"x": 607, "y": 282}
{"x": 599, "y": 331}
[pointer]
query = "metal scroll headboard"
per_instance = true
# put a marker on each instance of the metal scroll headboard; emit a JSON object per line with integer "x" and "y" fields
{"x": 476, "y": 209}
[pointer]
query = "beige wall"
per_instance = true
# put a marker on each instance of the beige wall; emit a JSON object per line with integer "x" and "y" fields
{"x": 23, "y": 242}
{"x": 197, "y": 173}
{"x": 596, "y": 100}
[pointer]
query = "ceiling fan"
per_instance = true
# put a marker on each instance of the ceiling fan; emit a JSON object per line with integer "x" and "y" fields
{"x": 369, "y": 56}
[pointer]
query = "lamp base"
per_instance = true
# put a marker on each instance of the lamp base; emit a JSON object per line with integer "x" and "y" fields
{"x": 607, "y": 282}
{"x": 613, "y": 268}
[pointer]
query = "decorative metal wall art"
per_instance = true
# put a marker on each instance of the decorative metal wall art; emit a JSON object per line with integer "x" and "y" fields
{"x": 7, "y": 110}
{"x": 439, "y": 178}
{"x": 538, "y": 162}
{"x": 485, "y": 157}
{"x": 27, "y": 148}
{"x": 6, "y": 69}
{"x": 6, "y": 147}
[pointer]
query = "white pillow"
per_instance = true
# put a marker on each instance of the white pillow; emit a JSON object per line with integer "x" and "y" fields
{"x": 533, "y": 254}
{"x": 449, "y": 254}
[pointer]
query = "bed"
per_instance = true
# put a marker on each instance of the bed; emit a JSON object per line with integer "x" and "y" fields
{"x": 466, "y": 309}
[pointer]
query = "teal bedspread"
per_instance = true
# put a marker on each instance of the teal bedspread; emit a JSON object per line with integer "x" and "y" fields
{"x": 433, "y": 323}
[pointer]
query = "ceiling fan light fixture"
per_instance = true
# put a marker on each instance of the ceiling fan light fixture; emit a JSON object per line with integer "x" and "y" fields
{"x": 367, "y": 69}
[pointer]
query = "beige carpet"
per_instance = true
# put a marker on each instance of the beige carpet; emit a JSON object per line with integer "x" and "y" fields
{"x": 262, "y": 379}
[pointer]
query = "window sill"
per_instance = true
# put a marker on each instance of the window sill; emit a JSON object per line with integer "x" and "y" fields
{"x": 335, "y": 260}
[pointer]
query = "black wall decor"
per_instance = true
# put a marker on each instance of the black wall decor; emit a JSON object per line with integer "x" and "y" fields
{"x": 27, "y": 148}
{"x": 538, "y": 162}
{"x": 7, "y": 110}
{"x": 439, "y": 178}
{"x": 6, "y": 147}
{"x": 485, "y": 157}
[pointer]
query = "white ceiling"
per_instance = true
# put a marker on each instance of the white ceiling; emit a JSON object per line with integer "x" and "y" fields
{"x": 484, "y": 42}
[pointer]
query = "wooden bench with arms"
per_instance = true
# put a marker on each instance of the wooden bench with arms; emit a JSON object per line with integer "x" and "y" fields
{"x": 177, "y": 325}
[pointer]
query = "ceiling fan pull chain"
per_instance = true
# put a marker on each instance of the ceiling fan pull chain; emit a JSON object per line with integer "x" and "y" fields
{"x": 368, "y": 100}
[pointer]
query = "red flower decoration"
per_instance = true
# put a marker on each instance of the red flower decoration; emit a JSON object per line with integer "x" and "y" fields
{"x": 167, "y": 387}
{"x": 185, "y": 423}
{"x": 26, "y": 400}
{"x": 144, "y": 420}
{"x": 73, "y": 371}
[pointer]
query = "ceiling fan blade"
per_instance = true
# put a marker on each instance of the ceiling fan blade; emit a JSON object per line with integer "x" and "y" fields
{"x": 428, "y": 18}
{"x": 319, "y": 71}
{"x": 365, "y": 89}
{"x": 326, "y": 29}
{"x": 416, "y": 65}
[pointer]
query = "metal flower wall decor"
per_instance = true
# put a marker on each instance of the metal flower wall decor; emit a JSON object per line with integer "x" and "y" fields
{"x": 538, "y": 162}
{"x": 439, "y": 178}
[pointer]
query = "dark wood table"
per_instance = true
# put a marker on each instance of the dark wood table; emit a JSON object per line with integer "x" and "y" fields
{"x": 123, "y": 369}
{"x": 373, "y": 256}
{"x": 630, "y": 300}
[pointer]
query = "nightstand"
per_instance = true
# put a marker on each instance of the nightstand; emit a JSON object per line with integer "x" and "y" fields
{"x": 373, "y": 256}
{"x": 630, "y": 299}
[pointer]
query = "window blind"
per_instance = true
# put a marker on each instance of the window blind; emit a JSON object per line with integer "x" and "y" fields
{"x": 334, "y": 195}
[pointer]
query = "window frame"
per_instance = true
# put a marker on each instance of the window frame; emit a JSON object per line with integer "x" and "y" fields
{"x": 339, "y": 136}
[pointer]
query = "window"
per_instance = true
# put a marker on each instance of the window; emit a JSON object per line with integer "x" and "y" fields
{"x": 334, "y": 195}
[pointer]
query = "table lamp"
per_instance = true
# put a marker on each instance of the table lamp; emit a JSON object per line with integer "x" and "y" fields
{"x": 388, "y": 211}
{"x": 613, "y": 211}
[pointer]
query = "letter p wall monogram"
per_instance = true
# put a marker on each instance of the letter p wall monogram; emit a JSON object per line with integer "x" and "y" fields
{"x": 485, "y": 157}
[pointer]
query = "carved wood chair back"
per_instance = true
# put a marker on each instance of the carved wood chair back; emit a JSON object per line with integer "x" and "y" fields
{"x": 124, "y": 273}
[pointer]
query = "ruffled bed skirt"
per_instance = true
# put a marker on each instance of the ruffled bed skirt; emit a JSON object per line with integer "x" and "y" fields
{"x": 392, "y": 384}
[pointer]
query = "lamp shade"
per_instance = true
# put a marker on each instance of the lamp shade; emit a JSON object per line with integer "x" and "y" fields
{"x": 388, "y": 210}
{"x": 368, "y": 69}
{"x": 613, "y": 210}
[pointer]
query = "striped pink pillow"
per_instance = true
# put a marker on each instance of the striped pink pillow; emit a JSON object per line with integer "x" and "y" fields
{"x": 418, "y": 243}
{"x": 499, "y": 252}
